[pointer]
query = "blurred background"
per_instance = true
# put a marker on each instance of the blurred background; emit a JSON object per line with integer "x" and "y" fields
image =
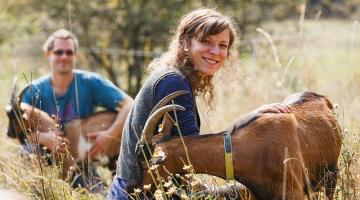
{"x": 285, "y": 47}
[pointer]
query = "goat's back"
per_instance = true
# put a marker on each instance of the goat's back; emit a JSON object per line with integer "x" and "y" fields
{"x": 318, "y": 132}
{"x": 260, "y": 153}
{"x": 310, "y": 134}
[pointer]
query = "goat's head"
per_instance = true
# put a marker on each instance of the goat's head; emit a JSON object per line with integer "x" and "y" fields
{"x": 16, "y": 126}
{"x": 147, "y": 143}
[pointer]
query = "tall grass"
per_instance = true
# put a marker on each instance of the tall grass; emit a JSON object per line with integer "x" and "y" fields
{"x": 321, "y": 56}
{"x": 283, "y": 61}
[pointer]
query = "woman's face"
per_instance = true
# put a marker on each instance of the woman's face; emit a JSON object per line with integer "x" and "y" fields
{"x": 208, "y": 53}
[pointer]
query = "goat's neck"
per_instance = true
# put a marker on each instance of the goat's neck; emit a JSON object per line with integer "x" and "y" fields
{"x": 206, "y": 154}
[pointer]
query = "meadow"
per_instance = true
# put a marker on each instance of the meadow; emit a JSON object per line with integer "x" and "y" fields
{"x": 276, "y": 60}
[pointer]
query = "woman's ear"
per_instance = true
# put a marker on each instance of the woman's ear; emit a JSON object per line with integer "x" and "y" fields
{"x": 187, "y": 45}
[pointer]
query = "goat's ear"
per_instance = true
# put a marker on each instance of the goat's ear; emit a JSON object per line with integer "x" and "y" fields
{"x": 164, "y": 129}
{"x": 166, "y": 125}
{"x": 25, "y": 116}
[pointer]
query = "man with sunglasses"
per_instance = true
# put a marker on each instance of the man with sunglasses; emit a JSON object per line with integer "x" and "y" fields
{"x": 68, "y": 94}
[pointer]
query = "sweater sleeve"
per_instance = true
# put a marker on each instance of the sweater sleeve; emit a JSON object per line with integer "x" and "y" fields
{"x": 186, "y": 119}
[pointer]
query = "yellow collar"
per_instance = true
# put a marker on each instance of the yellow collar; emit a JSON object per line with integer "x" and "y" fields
{"x": 228, "y": 157}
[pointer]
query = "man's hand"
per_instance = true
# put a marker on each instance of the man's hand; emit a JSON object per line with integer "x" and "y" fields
{"x": 111, "y": 136}
{"x": 102, "y": 140}
{"x": 54, "y": 141}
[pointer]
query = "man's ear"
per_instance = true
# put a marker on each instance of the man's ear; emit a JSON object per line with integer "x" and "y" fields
{"x": 47, "y": 55}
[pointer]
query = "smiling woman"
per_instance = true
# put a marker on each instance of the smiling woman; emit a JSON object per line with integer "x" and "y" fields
{"x": 208, "y": 53}
{"x": 203, "y": 42}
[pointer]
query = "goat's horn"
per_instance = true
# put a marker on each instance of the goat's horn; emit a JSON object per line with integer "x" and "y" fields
{"x": 154, "y": 119}
{"x": 167, "y": 99}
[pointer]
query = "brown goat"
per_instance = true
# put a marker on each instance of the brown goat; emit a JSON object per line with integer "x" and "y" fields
{"x": 275, "y": 156}
{"x": 28, "y": 120}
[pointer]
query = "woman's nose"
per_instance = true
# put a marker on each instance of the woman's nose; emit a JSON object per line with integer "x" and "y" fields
{"x": 215, "y": 49}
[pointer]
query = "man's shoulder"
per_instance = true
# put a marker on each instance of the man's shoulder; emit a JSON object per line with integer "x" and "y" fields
{"x": 87, "y": 75}
{"x": 41, "y": 85}
{"x": 87, "y": 79}
{"x": 41, "y": 81}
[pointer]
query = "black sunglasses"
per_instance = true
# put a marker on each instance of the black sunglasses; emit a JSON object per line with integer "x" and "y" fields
{"x": 61, "y": 52}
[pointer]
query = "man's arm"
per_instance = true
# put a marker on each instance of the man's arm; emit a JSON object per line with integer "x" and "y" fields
{"x": 36, "y": 119}
{"x": 116, "y": 128}
{"x": 39, "y": 121}
{"x": 104, "y": 139}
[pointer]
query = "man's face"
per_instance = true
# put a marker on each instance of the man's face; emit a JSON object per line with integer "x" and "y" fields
{"x": 62, "y": 57}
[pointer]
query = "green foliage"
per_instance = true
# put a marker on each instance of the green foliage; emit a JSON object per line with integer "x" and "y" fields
{"x": 334, "y": 8}
{"x": 15, "y": 21}
{"x": 122, "y": 36}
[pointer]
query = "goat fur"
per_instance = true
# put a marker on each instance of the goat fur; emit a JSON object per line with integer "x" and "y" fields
{"x": 25, "y": 120}
{"x": 310, "y": 133}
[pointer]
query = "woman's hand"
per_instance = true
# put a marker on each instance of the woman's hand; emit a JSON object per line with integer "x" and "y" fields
{"x": 274, "y": 108}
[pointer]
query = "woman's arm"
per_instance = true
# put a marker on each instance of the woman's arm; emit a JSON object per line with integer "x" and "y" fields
{"x": 186, "y": 119}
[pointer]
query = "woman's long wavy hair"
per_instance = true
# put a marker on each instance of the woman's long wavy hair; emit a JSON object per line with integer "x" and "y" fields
{"x": 196, "y": 24}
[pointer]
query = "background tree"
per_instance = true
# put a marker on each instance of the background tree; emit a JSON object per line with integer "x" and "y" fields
{"x": 120, "y": 37}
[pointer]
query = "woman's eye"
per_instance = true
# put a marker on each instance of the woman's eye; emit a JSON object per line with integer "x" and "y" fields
{"x": 206, "y": 41}
{"x": 223, "y": 46}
